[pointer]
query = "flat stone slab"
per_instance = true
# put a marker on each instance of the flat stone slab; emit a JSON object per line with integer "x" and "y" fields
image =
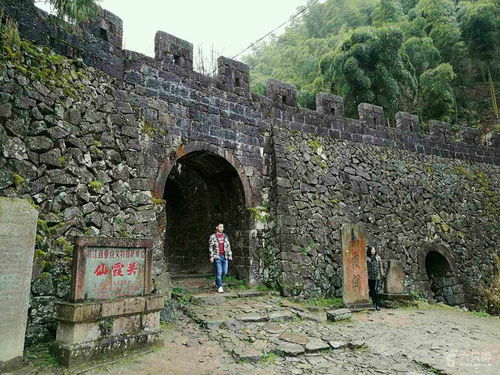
{"x": 18, "y": 220}
{"x": 251, "y": 318}
{"x": 294, "y": 338}
{"x": 281, "y": 316}
{"x": 273, "y": 328}
{"x": 247, "y": 354}
{"x": 316, "y": 345}
{"x": 208, "y": 300}
{"x": 339, "y": 314}
{"x": 212, "y": 324}
{"x": 338, "y": 344}
{"x": 251, "y": 293}
{"x": 289, "y": 349}
{"x": 356, "y": 344}
{"x": 310, "y": 317}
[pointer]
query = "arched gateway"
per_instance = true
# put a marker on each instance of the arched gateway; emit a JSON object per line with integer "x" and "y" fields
{"x": 202, "y": 189}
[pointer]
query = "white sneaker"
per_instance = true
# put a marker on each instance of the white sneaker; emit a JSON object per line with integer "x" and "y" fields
{"x": 220, "y": 290}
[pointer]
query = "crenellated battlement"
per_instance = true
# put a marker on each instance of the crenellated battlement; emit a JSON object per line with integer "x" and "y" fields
{"x": 99, "y": 44}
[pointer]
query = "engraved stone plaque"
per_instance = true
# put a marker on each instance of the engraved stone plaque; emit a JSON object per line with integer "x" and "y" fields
{"x": 18, "y": 221}
{"x": 108, "y": 268}
{"x": 355, "y": 283}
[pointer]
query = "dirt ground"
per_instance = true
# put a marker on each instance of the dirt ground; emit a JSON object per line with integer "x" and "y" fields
{"x": 256, "y": 335}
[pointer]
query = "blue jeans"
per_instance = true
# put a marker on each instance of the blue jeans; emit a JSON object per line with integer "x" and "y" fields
{"x": 221, "y": 266}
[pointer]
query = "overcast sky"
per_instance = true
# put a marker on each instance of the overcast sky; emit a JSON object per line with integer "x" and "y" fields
{"x": 228, "y": 25}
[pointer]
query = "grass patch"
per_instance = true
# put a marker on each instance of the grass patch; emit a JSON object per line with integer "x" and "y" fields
{"x": 41, "y": 356}
{"x": 269, "y": 358}
{"x": 262, "y": 288}
{"x": 481, "y": 314}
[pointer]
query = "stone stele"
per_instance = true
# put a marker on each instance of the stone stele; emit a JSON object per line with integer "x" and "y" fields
{"x": 18, "y": 221}
{"x": 355, "y": 283}
{"x": 394, "y": 283}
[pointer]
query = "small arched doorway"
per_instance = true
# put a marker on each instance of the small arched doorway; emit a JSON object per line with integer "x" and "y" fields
{"x": 440, "y": 276}
{"x": 202, "y": 190}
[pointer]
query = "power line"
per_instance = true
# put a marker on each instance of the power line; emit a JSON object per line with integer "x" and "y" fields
{"x": 276, "y": 28}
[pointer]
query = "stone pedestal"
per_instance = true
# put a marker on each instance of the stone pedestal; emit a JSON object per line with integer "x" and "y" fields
{"x": 111, "y": 307}
{"x": 355, "y": 283}
{"x": 90, "y": 330}
{"x": 18, "y": 221}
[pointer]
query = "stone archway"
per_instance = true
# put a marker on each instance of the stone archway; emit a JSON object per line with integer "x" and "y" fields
{"x": 203, "y": 189}
{"x": 438, "y": 275}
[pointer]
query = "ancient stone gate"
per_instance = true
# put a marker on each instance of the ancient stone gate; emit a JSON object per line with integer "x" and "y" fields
{"x": 119, "y": 144}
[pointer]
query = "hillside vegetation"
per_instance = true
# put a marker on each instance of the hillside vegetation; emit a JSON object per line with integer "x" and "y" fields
{"x": 435, "y": 58}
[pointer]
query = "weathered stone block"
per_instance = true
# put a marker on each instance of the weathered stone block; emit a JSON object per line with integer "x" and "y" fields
{"x": 339, "y": 314}
{"x": 234, "y": 75}
{"x": 281, "y": 94}
{"x": 173, "y": 52}
{"x": 125, "y": 325}
{"x": 371, "y": 115}
{"x": 394, "y": 282}
{"x": 150, "y": 321}
{"x": 472, "y": 136}
{"x": 155, "y": 303}
{"x": 18, "y": 221}
{"x": 407, "y": 122}
{"x": 355, "y": 282}
{"x": 440, "y": 130}
{"x": 329, "y": 104}
{"x": 69, "y": 333}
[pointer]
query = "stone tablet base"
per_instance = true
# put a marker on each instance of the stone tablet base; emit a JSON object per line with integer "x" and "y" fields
{"x": 87, "y": 331}
{"x": 395, "y": 297}
{"x": 360, "y": 307}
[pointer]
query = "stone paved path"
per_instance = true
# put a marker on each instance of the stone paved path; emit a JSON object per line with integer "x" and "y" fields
{"x": 242, "y": 333}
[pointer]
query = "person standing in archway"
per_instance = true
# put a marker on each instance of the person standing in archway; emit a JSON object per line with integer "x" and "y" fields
{"x": 220, "y": 254}
{"x": 375, "y": 275}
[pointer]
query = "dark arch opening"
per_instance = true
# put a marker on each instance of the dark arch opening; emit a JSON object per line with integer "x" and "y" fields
{"x": 440, "y": 276}
{"x": 202, "y": 190}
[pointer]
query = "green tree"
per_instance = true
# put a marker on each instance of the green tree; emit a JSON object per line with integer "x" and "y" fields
{"x": 442, "y": 27}
{"x": 75, "y": 10}
{"x": 422, "y": 53}
{"x": 368, "y": 67}
{"x": 438, "y": 99}
{"x": 478, "y": 22}
{"x": 387, "y": 11}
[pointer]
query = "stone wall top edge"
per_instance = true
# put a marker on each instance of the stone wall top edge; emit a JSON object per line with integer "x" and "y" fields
{"x": 370, "y": 115}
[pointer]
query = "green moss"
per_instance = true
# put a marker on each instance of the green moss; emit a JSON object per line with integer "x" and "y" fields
{"x": 39, "y": 257}
{"x": 18, "y": 179}
{"x": 41, "y": 356}
{"x": 260, "y": 213}
{"x": 64, "y": 244}
{"x": 314, "y": 144}
{"x": 40, "y": 64}
{"x": 96, "y": 185}
{"x": 482, "y": 183}
{"x": 158, "y": 201}
{"x": 95, "y": 148}
{"x": 150, "y": 130}
{"x": 304, "y": 250}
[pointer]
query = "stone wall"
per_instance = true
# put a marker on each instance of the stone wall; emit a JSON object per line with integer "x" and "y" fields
{"x": 92, "y": 141}
{"x": 410, "y": 203}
